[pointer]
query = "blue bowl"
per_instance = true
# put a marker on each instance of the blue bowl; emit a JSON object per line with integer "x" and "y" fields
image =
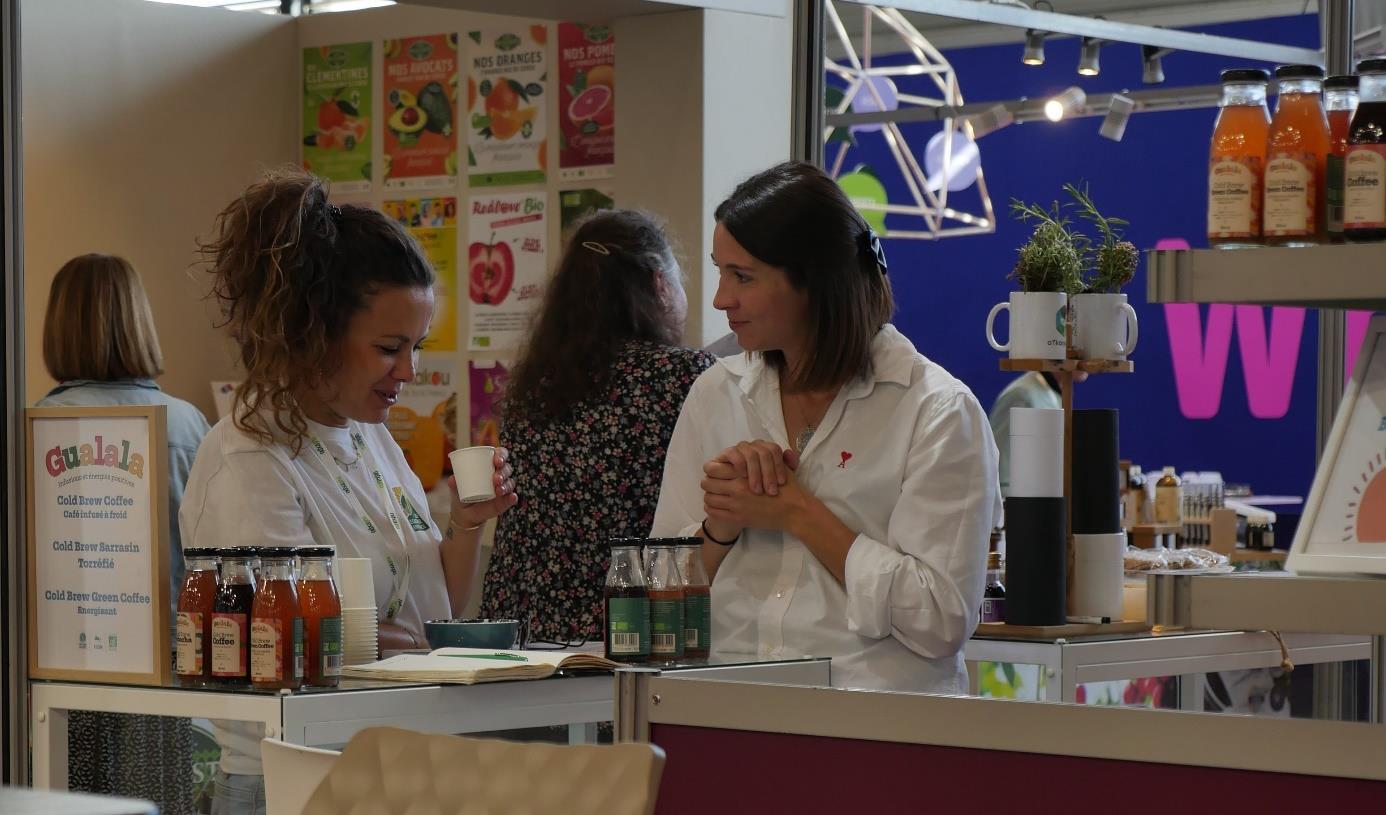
{"x": 471, "y": 633}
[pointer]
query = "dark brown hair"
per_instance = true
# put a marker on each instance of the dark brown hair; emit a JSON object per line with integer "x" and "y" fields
{"x": 99, "y": 325}
{"x": 794, "y": 217}
{"x": 289, "y": 271}
{"x": 605, "y": 293}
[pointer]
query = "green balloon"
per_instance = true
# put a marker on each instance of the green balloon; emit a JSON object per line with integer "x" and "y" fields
{"x": 864, "y": 188}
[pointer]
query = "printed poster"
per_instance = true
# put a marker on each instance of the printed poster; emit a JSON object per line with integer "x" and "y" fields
{"x": 586, "y": 101}
{"x": 505, "y": 267}
{"x": 574, "y": 205}
{"x": 424, "y": 420}
{"x": 420, "y": 111}
{"x": 506, "y": 81}
{"x": 337, "y": 115}
{"x": 487, "y": 379}
{"x": 433, "y": 223}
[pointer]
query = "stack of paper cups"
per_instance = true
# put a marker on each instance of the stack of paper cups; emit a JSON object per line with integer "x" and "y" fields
{"x": 359, "y": 614}
{"x": 1098, "y": 574}
{"x": 1037, "y": 453}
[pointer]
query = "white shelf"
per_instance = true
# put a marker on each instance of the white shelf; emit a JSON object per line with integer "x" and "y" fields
{"x": 1351, "y": 275}
{"x": 1278, "y": 601}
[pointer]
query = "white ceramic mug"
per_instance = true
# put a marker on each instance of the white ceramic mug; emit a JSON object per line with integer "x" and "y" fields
{"x": 475, "y": 469}
{"x": 1104, "y": 326}
{"x": 1037, "y": 325}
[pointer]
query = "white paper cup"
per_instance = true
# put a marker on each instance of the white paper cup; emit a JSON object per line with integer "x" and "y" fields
{"x": 475, "y": 470}
{"x": 1098, "y": 577}
{"x": 355, "y": 583}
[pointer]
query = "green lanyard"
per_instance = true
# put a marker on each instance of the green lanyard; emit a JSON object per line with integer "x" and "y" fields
{"x": 399, "y": 561}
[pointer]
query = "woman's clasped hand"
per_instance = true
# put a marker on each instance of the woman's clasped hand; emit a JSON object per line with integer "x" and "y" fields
{"x": 751, "y": 484}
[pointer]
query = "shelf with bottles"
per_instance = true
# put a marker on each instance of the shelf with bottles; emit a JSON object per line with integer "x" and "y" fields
{"x": 1331, "y": 276}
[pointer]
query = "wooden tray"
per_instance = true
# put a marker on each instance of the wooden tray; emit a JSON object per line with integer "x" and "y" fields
{"x": 1092, "y": 366}
{"x": 1046, "y": 632}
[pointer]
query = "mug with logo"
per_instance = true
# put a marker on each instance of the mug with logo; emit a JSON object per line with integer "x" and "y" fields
{"x": 1037, "y": 325}
{"x": 1104, "y": 326}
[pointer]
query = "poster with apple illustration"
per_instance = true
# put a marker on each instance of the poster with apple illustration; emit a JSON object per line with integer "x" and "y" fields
{"x": 586, "y": 101}
{"x": 506, "y": 267}
{"x": 420, "y": 111}
{"x": 507, "y": 80}
{"x": 487, "y": 379}
{"x": 433, "y": 223}
{"x": 424, "y": 420}
{"x": 337, "y": 115}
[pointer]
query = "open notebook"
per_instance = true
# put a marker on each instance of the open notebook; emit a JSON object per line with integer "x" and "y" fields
{"x": 468, "y": 666}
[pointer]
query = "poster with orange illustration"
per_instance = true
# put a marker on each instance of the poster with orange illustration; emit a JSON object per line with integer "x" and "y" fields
{"x": 506, "y": 267}
{"x": 420, "y": 87}
{"x": 487, "y": 380}
{"x": 424, "y": 420}
{"x": 507, "y": 79}
{"x": 433, "y": 223}
{"x": 586, "y": 101}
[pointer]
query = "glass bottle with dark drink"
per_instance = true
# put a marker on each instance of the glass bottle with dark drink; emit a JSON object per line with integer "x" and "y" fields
{"x": 994, "y": 594}
{"x": 1365, "y": 173}
{"x": 276, "y": 627}
{"x": 626, "y": 604}
{"x": 321, "y": 609}
{"x": 697, "y": 598}
{"x": 1340, "y": 102}
{"x": 196, "y": 603}
{"x": 231, "y": 618}
{"x": 666, "y": 600}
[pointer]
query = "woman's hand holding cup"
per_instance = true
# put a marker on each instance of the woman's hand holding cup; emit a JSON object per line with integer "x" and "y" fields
{"x": 481, "y": 485}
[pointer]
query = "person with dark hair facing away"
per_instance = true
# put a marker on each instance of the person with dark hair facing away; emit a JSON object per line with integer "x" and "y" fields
{"x": 329, "y": 307}
{"x": 844, "y": 485}
{"x": 587, "y": 416}
{"x": 99, "y": 343}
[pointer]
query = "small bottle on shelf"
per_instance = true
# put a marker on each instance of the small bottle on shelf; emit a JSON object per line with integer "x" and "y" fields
{"x": 1169, "y": 499}
{"x": 1236, "y": 160}
{"x": 1296, "y": 157}
{"x": 994, "y": 595}
{"x": 1134, "y": 510}
{"x": 1340, "y": 102}
{"x": 1365, "y": 172}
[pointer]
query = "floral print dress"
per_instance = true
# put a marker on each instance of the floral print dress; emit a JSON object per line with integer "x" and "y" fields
{"x": 583, "y": 479}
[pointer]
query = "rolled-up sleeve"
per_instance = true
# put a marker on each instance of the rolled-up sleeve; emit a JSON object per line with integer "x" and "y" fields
{"x": 923, "y": 584}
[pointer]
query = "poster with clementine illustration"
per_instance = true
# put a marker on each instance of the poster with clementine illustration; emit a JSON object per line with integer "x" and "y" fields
{"x": 433, "y": 223}
{"x": 507, "y": 140}
{"x": 424, "y": 420}
{"x": 337, "y": 115}
{"x": 586, "y": 101}
{"x": 420, "y": 90}
{"x": 505, "y": 267}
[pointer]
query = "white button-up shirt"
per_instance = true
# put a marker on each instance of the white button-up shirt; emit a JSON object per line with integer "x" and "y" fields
{"x": 907, "y": 460}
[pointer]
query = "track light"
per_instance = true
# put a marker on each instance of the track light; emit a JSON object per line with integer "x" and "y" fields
{"x": 990, "y": 120}
{"x": 1089, "y": 62}
{"x": 1118, "y": 114}
{"x": 1152, "y": 70}
{"x": 1034, "y": 47}
{"x": 1070, "y": 101}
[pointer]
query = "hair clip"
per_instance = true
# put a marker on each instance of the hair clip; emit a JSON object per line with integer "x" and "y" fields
{"x": 869, "y": 241}
{"x": 599, "y": 248}
{"x": 334, "y": 211}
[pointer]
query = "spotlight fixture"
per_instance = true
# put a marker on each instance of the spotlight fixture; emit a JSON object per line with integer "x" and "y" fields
{"x": 1152, "y": 70}
{"x": 1118, "y": 114}
{"x": 1089, "y": 62}
{"x": 1034, "y": 47}
{"x": 990, "y": 120}
{"x": 1070, "y": 101}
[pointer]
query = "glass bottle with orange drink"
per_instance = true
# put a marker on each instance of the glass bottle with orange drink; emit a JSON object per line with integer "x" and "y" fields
{"x": 1236, "y": 160}
{"x": 1340, "y": 102}
{"x": 276, "y": 626}
{"x": 321, "y": 609}
{"x": 1297, "y": 150}
{"x": 196, "y": 602}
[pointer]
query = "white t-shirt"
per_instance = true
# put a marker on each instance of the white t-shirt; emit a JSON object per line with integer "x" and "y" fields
{"x": 906, "y": 459}
{"x": 243, "y": 492}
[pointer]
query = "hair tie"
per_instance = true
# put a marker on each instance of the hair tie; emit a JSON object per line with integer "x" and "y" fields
{"x": 869, "y": 243}
{"x": 599, "y": 248}
{"x": 334, "y": 212}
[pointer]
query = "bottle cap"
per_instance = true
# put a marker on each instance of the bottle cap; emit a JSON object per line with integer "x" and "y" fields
{"x": 1168, "y": 470}
{"x": 1299, "y": 72}
{"x": 200, "y": 553}
{"x": 316, "y": 551}
{"x": 1242, "y": 75}
{"x": 1371, "y": 66}
{"x": 1343, "y": 82}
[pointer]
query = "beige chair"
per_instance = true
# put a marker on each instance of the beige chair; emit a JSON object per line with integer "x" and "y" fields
{"x": 388, "y": 771}
{"x": 291, "y": 774}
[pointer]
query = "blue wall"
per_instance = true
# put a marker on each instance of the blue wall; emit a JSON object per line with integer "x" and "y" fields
{"x": 1156, "y": 179}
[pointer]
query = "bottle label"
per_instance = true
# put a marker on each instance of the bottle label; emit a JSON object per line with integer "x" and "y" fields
{"x": 1234, "y": 197}
{"x": 994, "y": 610}
{"x": 1364, "y": 187}
{"x": 276, "y": 654}
{"x": 1168, "y": 501}
{"x": 330, "y": 646}
{"x": 1333, "y": 193}
{"x": 228, "y": 645}
{"x": 189, "y": 647}
{"x": 628, "y": 626}
{"x": 1290, "y": 195}
{"x": 666, "y": 627}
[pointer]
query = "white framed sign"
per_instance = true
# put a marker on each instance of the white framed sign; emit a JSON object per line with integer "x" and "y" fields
{"x": 97, "y": 544}
{"x": 1344, "y": 525}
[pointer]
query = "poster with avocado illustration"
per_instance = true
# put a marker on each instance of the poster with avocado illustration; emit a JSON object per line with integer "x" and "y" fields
{"x": 420, "y": 111}
{"x": 586, "y": 101}
{"x": 337, "y": 115}
{"x": 433, "y": 223}
{"x": 424, "y": 420}
{"x": 487, "y": 379}
{"x": 574, "y": 205}
{"x": 506, "y": 267}
{"x": 507, "y": 80}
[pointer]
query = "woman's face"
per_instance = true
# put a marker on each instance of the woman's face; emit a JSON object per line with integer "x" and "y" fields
{"x": 765, "y": 311}
{"x": 377, "y": 357}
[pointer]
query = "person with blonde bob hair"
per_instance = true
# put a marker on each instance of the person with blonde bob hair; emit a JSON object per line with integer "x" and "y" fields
{"x": 100, "y": 344}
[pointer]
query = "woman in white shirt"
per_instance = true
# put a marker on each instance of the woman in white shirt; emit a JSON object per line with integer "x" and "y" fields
{"x": 844, "y": 485}
{"x": 329, "y": 307}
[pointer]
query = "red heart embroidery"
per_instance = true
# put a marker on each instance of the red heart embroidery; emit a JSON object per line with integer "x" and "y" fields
{"x": 846, "y": 456}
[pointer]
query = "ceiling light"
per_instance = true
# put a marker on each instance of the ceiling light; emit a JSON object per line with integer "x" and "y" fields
{"x": 990, "y": 120}
{"x": 1152, "y": 70}
{"x": 1069, "y": 102}
{"x": 1118, "y": 114}
{"x": 1088, "y": 62}
{"x": 1034, "y": 47}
